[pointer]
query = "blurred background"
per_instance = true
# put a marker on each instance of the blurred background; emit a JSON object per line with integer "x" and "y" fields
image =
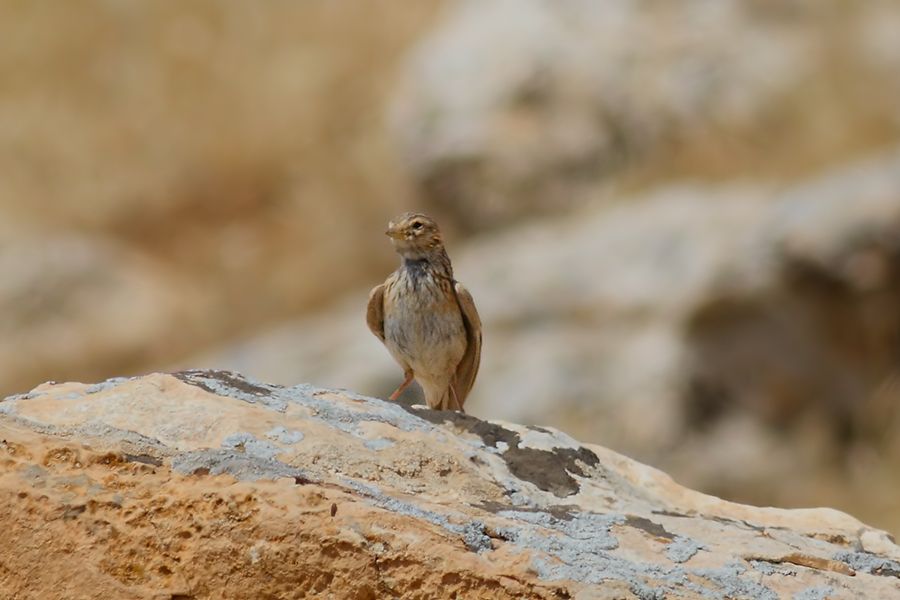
{"x": 680, "y": 220}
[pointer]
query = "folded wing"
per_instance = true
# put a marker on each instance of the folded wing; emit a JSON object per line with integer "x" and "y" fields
{"x": 375, "y": 311}
{"x": 467, "y": 369}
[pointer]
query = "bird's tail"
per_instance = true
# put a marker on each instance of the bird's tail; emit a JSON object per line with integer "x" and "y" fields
{"x": 446, "y": 399}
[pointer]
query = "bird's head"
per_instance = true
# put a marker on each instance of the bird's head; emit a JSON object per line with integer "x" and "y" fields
{"x": 415, "y": 236}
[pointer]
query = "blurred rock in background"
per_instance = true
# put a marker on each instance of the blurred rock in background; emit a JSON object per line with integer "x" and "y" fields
{"x": 74, "y": 305}
{"x": 512, "y": 107}
{"x": 236, "y": 149}
{"x": 687, "y": 214}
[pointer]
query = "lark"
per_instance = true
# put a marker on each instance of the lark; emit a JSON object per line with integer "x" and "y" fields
{"x": 425, "y": 318}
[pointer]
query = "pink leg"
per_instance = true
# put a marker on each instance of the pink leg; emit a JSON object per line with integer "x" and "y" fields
{"x": 403, "y": 386}
{"x": 455, "y": 399}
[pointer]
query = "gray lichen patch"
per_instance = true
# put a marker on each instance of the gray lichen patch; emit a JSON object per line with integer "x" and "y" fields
{"x": 822, "y": 592}
{"x": 246, "y": 443}
{"x": 645, "y": 592}
{"x": 11, "y": 400}
{"x": 134, "y": 442}
{"x": 284, "y": 436}
{"x": 766, "y": 568}
{"x": 574, "y": 549}
{"x": 769, "y": 568}
{"x": 242, "y": 466}
{"x": 8, "y": 405}
{"x": 472, "y": 532}
{"x": 682, "y": 549}
{"x": 869, "y": 563}
{"x": 584, "y": 548}
{"x": 234, "y": 385}
{"x": 378, "y": 444}
{"x": 335, "y": 414}
{"x": 558, "y": 511}
{"x": 107, "y": 385}
{"x": 595, "y": 530}
{"x": 730, "y": 582}
{"x": 370, "y": 410}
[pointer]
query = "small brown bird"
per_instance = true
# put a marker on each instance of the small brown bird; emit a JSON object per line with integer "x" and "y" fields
{"x": 425, "y": 318}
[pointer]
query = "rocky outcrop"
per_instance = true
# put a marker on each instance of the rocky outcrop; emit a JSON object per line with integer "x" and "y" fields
{"x": 513, "y": 107}
{"x": 205, "y": 484}
{"x": 679, "y": 327}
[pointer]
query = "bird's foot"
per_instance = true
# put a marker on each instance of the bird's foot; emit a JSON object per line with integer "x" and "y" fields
{"x": 408, "y": 380}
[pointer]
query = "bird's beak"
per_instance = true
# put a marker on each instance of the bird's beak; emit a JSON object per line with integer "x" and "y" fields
{"x": 392, "y": 232}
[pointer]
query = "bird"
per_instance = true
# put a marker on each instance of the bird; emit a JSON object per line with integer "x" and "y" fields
{"x": 425, "y": 318}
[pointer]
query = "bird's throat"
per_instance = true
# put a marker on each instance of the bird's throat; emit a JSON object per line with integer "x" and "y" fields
{"x": 437, "y": 264}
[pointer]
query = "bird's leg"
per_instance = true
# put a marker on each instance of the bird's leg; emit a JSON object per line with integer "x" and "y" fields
{"x": 403, "y": 386}
{"x": 455, "y": 398}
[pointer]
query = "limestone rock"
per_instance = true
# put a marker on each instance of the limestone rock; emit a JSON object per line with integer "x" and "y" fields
{"x": 205, "y": 484}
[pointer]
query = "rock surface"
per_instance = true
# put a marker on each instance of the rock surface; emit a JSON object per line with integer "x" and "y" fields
{"x": 204, "y": 484}
{"x": 679, "y": 327}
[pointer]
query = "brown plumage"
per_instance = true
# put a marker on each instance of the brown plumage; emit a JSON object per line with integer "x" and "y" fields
{"x": 425, "y": 318}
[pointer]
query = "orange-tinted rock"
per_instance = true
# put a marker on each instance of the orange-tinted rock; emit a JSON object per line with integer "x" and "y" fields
{"x": 209, "y": 485}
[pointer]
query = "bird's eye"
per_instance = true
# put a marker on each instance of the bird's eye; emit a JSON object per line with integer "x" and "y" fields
{"x": 417, "y": 225}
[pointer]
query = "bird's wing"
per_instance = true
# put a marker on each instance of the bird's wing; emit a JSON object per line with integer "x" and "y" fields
{"x": 375, "y": 311}
{"x": 467, "y": 368}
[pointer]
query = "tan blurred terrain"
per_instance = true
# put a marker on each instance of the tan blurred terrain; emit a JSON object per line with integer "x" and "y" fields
{"x": 207, "y": 181}
{"x": 235, "y": 150}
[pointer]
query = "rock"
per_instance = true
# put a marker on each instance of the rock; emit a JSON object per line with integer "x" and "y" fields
{"x": 511, "y": 106}
{"x": 696, "y": 328}
{"x": 201, "y": 484}
{"x": 514, "y": 107}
